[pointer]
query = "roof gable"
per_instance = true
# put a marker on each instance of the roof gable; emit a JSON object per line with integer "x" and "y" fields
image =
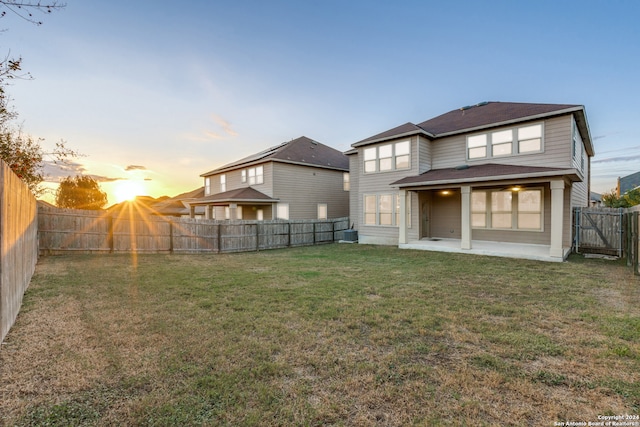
{"x": 489, "y": 114}
{"x": 466, "y": 119}
{"x": 301, "y": 150}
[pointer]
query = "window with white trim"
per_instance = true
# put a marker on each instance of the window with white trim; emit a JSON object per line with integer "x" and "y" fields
{"x": 256, "y": 175}
{"x": 530, "y": 139}
{"x": 479, "y": 209}
{"x": 346, "y": 183}
{"x": 501, "y": 209}
{"x": 282, "y": 211}
{"x": 322, "y": 211}
{"x": 518, "y": 209}
{"x": 223, "y": 183}
{"x": 388, "y": 157}
{"x": 243, "y": 175}
{"x": 382, "y": 209}
{"x": 207, "y": 186}
{"x": 506, "y": 142}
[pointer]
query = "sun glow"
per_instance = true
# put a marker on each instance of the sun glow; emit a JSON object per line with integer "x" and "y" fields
{"x": 128, "y": 190}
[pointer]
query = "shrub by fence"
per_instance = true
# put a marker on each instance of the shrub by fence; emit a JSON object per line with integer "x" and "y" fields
{"x": 69, "y": 230}
{"x": 18, "y": 244}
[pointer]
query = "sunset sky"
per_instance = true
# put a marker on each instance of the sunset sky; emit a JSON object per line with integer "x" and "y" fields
{"x": 155, "y": 93}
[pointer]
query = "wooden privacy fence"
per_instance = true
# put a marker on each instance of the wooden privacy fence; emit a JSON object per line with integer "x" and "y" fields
{"x": 609, "y": 231}
{"x": 70, "y": 230}
{"x": 18, "y": 245}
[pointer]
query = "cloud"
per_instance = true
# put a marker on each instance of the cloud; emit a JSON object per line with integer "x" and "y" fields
{"x": 617, "y": 159}
{"x": 135, "y": 168}
{"x": 224, "y": 124}
{"x": 56, "y": 172}
{"x": 224, "y": 131}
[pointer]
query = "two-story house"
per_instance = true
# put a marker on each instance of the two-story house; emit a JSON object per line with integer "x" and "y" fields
{"x": 299, "y": 179}
{"x": 496, "y": 178}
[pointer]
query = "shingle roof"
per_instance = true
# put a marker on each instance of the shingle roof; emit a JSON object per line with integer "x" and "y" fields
{"x": 629, "y": 182}
{"x": 489, "y": 113}
{"x": 481, "y": 115}
{"x": 301, "y": 150}
{"x": 245, "y": 194}
{"x": 488, "y": 171}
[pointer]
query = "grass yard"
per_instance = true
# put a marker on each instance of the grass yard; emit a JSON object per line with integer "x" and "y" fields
{"x": 352, "y": 335}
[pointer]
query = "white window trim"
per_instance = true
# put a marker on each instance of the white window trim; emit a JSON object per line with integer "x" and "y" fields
{"x": 323, "y": 207}
{"x": 395, "y": 210}
{"x": 514, "y": 211}
{"x": 283, "y": 206}
{"x": 223, "y": 183}
{"x": 515, "y": 146}
{"x": 393, "y": 157}
{"x": 207, "y": 186}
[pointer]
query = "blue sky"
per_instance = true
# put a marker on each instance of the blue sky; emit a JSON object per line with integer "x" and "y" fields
{"x": 158, "y": 92}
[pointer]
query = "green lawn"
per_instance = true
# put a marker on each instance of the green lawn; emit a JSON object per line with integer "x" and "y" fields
{"x": 327, "y": 335}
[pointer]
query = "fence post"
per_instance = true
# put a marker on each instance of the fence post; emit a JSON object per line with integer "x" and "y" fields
{"x": 170, "y": 236}
{"x": 110, "y": 236}
{"x": 257, "y": 236}
{"x": 289, "y": 232}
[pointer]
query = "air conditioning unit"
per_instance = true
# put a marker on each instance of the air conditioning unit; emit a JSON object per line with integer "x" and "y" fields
{"x": 350, "y": 236}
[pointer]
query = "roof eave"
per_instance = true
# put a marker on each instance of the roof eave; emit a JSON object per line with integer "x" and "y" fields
{"x": 512, "y": 121}
{"x": 390, "y": 137}
{"x": 571, "y": 173}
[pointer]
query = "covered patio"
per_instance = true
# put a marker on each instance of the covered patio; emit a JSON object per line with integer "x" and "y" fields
{"x": 482, "y": 247}
{"x": 494, "y": 222}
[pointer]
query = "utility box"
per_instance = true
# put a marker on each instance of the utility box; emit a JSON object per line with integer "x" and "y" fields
{"x": 350, "y": 235}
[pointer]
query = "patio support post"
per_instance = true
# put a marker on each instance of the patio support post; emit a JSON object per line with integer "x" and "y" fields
{"x": 192, "y": 211}
{"x": 402, "y": 227}
{"x": 233, "y": 211}
{"x": 208, "y": 212}
{"x": 557, "y": 208}
{"x": 465, "y": 230}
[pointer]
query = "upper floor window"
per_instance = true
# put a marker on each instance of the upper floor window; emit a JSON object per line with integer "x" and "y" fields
{"x": 207, "y": 186}
{"x": 256, "y": 175}
{"x": 223, "y": 183}
{"x": 508, "y": 142}
{"x": 387, "y": 157}
{"x": 346, "y": 184}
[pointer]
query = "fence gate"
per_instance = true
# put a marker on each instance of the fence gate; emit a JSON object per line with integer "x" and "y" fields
{"x": 599, "y": 230}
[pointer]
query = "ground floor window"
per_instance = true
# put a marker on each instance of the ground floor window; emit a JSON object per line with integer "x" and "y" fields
{"x": 322, "y": 211}
{"x": 282, "y": 211}
{"x": 511, "y": 209}
{"x": 382, "y": 209}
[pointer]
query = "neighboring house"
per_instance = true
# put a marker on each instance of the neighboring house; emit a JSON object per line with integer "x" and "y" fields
{"x": 178, "y": 206}
{"x": 628, "y": 183}
{"x": 492, "y": 172}
{"x": 596, "y": 199}
{"x": 299, "y": 179}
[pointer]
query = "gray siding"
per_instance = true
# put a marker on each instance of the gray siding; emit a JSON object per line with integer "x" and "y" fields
{"x": 424, "y": 155}
{"x": 303, "y": 187}
{"x": 451, "y": 152}
{"x": 234, "y": 180}
{"x": 379, "y": 183}
{"x": 446, "y": 216}
{"x": 355, "y": 198}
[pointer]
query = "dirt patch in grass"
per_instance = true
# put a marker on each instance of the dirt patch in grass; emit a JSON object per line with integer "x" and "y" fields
{"x": 329, "y": 335}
